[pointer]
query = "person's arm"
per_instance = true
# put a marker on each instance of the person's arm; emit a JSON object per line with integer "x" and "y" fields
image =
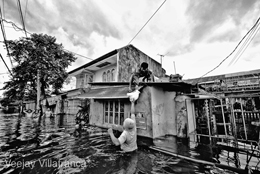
{"x": 132, "y": 109}
{"x": 113, "y": 138}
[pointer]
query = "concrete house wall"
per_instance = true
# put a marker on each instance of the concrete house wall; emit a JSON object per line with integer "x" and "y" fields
{"x": 98, "y": 74}
{"x": 129, "y": 60}
{"x": 163, "y": 112}
{"x": 154, "y": 109}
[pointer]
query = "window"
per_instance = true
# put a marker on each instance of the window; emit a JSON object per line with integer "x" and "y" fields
{"x": 114, "y": 112}
{"x": 113, "y": 75}
{"x": 108, "y": 76}
{"x": 86, "y": 79}
{"x": 104, "y": 77}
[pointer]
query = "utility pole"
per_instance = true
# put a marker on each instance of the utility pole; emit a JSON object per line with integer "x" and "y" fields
{"x": 161, "y": 61}
{"x": 174, "y": 67}
{"x": 38, "y": 91}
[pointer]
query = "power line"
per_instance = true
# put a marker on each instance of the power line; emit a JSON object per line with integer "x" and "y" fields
{"x": 21, "y": 15}
{"x": 5, "y": 64}
{"x": 4, "y": 36}
{"x": 246, "y": 44}
{"x": 232, "y": 51}
{"x": 147, "y": 22}
{"x": 3, "y": 8}
{"x": 25, "y": 10}
{"x": 79, "y": 55}
{"x": 20, "y": 29}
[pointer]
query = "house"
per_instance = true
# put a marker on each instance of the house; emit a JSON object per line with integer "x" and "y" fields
{"x": 105, "y": 81}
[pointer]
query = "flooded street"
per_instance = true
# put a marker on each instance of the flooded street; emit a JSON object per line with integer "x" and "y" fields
{"x": 49, "y": 146}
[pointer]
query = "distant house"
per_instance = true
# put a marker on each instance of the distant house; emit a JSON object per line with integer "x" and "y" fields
{"x": 232, "y": 84}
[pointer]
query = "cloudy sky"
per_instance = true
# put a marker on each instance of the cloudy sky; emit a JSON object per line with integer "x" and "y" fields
{"x": 194, "y": 35}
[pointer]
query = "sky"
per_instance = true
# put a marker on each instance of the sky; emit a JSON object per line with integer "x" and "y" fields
{"x": 194, "y": 36}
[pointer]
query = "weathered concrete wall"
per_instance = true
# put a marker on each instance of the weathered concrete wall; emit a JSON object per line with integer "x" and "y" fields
{"x": 163, "y": 112}
{"x": 182, "y": 116}
{"x": 191, "y": 116}
{"x": 129, "y": 61}
{"x": 96, "y": 112}
{"x": 142, "y": 109}
{"x": 143, "y": 105}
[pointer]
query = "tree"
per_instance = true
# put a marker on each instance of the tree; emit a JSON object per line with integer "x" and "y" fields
{"x": 37, "y": 53}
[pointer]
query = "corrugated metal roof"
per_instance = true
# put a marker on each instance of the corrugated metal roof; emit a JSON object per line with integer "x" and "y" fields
{"x": 105, "y": 93}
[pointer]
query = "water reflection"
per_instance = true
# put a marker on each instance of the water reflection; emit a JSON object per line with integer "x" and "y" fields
{"x": 48, "y": 145}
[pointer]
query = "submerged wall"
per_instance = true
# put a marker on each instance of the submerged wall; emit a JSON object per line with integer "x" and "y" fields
{"x": 143, "y": 109}
{"x": 163, "y": 115}
{"x": 96, "y": 112}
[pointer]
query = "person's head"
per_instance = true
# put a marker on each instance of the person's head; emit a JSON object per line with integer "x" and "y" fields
{"x": 129, "y": 124}
{"x": 144, "y": 66}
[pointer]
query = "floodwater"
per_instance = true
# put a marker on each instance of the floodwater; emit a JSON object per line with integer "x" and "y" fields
{"x": 50, "y": 146}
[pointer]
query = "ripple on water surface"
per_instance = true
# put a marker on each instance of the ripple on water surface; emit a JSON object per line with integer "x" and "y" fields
{"x": 49, "y": 146}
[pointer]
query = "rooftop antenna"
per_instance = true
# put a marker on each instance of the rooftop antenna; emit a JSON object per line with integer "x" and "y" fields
{"x": 162, "y": 55}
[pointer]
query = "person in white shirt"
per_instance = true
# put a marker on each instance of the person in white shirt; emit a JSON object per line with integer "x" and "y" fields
{"x": 128, "y": 138}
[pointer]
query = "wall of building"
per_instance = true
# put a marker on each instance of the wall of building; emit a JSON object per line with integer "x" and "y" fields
{"x": 163, "y": 112}
{"x": 96, "y": 116}
{"x": 99, "y": 73}
{"x": 142, "y": 109}
{"x": 144, "y": 106}
{"x": 129, "y": 61}
{"x": 97, "y": 77}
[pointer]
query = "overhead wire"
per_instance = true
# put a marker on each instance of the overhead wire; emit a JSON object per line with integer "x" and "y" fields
{"x": 25, "y": 10}
{"x": 232, "y": 51}
{"x": 253, "y": 35}
{"x": 21, "y": 16}
{"x": 20, "y": 29}
{"x": 4, "y": 36}
{"x": 241, "y": 50}
{"x": 3, "y": 8}
{"x": 147, "y": 22}
{"x": 5, "y": 64}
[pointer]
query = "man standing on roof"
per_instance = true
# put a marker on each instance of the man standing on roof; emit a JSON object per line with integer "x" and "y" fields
{"x": 128, "y": 138}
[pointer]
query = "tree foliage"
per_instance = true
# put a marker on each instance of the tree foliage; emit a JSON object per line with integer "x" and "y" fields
{"x": 37, "y": 53}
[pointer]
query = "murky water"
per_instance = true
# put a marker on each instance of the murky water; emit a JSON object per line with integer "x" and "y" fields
{"x": 50, "y": 146}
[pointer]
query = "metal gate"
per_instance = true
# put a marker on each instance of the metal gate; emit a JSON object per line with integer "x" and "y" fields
{"x": 230, "y": 122}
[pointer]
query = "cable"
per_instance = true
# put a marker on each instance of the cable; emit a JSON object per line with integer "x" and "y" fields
{"x": 3, "y": 8}
{"x": 20, "y": 29}
{"x": 245, "y": 44}
{"x": 255, "y": 32}
{"x": 232, "y": 51}
{"x": 25, "y": 10}
{"x": 146, "y": 22}
{"x": 4, "y": 36}
{"x": 242, "y": 47}
{"x": 5, "y": 64}
{"x": 79, "y": 55}
{"x": 4, "y": 73}
{"x": 21, "y": 15}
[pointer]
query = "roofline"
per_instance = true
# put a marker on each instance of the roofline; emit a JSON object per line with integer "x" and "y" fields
{"x": 107, "y": 56}
{"x": 95, "y": 60}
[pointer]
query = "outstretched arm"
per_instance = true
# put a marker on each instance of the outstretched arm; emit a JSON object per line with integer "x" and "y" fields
{"x": 132, "y": 109}
{"x": 113, "y": 138}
